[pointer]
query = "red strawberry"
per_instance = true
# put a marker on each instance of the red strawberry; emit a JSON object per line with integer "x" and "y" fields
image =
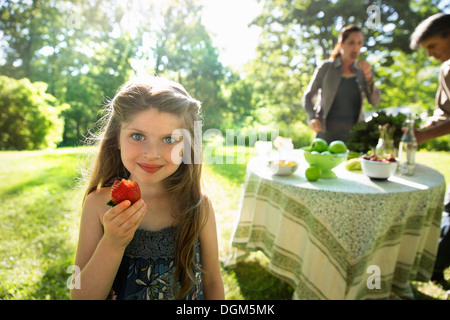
{"x": 124, "y": 190}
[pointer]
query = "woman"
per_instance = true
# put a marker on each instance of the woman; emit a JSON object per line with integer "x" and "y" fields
{"x": 343, "y": 83}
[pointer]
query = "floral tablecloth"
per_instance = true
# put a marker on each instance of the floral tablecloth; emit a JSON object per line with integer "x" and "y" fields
{"x": 343, "y": 238}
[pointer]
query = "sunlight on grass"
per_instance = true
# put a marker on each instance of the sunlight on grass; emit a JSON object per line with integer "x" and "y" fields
{"x": 224, "y": 183}
{"x": 438, "y": 160}
{"x": 39, "y": 222}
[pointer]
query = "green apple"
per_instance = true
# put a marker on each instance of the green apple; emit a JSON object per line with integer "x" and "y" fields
{"x": 337, "y": 146}
{"x": 312, "y": 173}
{"x": 319, "y": 145}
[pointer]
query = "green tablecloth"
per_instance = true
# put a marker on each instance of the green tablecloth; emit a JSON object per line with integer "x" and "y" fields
{"x": 331, "y": 238}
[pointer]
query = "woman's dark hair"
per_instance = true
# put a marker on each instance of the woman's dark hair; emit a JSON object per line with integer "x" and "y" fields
{"x": 343, "y": 35}
{"x": 436, "y": 25}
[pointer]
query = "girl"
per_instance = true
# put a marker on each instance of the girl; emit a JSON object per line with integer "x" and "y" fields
{"x": 165, "y": 245}
{"x": 343, "y": 83}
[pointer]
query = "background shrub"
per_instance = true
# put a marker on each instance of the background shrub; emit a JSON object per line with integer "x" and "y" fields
{"x": 29, "y": 117}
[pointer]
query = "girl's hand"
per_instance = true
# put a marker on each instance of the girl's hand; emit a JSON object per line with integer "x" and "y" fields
{"x": 121, "y": 221}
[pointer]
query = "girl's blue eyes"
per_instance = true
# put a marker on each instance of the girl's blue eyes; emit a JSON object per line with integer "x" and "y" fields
{"x": 140, "y": 137}
{"x": 169, "y": 140}
{"x": 137, "y": 137}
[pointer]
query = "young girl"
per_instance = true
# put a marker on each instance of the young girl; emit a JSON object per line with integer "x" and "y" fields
{"x": 165, "y": 245}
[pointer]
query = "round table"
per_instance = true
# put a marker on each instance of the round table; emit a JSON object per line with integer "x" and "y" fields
{"x": 343, "y": 238}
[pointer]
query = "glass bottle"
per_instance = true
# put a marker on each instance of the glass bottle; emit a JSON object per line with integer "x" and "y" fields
{"x": 285, "y": 149}
{"x": 385, "y": 146}
{"x": 408, "y": 148}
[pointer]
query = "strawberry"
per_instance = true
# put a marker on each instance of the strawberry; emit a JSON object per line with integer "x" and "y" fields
{"x": 124, "y": 190}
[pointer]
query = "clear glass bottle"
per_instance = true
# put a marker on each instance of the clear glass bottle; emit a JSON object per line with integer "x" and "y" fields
{"x": 407, "y": 148}
{"x": 286, "y": 148}
{"x": 385, "y": 146}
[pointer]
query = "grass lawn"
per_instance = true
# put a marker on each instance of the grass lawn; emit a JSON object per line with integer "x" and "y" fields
{"x": 39, "y": 220}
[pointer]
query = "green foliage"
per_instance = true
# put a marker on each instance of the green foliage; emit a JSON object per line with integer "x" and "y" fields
{"x": 78, "y": 48}
{"x": 315, "y": 24}
{"x": 29, "y": 117}
{"x": 184, "y": 52}
{"x": 364, "y": 135}
{"x": 412, "y": 80}
{"x": 300, "y": 133}
{"x": 85, "y": 51}
{"x": 83, "y": 96}
{"x": 27, "y": 27}
{"x": 241, "y": 101}
{"x": 439, "y": 144}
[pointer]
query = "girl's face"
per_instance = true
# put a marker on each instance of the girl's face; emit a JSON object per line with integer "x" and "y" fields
{"x": 146, "y": 145}
{"x": 351, "y": 47}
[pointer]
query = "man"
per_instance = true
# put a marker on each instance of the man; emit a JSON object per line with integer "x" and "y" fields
{"x": 433, "y": 34}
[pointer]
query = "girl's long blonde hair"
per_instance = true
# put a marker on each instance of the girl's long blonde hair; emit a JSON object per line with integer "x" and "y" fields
{"x": 184, "y": 185}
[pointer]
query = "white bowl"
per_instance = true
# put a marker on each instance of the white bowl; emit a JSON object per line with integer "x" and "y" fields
{"x": 282, "y": 167}
{"x": 378, "y": 170}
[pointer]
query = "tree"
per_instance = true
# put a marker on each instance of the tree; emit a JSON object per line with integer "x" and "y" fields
{"x": 412, "y": 80}
{"x": 79, "y": 49}
{"x": 29, "y": 117}
{"x": 23, "y": 29}
{"x": 184, "y": 52}
{"x": 316, "y": 23}
{"x": 85, "y": 50}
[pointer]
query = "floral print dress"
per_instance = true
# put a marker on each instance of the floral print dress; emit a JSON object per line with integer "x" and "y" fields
{"x": 148, "y": 267}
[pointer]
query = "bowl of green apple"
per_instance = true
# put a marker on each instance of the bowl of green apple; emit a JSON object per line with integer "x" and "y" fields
{"x": 325, "y": 156}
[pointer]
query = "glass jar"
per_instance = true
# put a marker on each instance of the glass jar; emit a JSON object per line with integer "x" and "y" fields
{"x": 385, "y": 146}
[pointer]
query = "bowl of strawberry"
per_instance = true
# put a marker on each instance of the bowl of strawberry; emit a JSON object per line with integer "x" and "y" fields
{"x": 378, "y": 168}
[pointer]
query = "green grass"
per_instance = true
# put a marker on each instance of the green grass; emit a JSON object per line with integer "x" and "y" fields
{"x": 39, "y": 220}
{"x": 248, "y": 280}
{"x": 438, "y": 160}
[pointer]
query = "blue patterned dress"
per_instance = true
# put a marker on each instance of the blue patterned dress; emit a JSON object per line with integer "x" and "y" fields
{"x": 148, "y": 267}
